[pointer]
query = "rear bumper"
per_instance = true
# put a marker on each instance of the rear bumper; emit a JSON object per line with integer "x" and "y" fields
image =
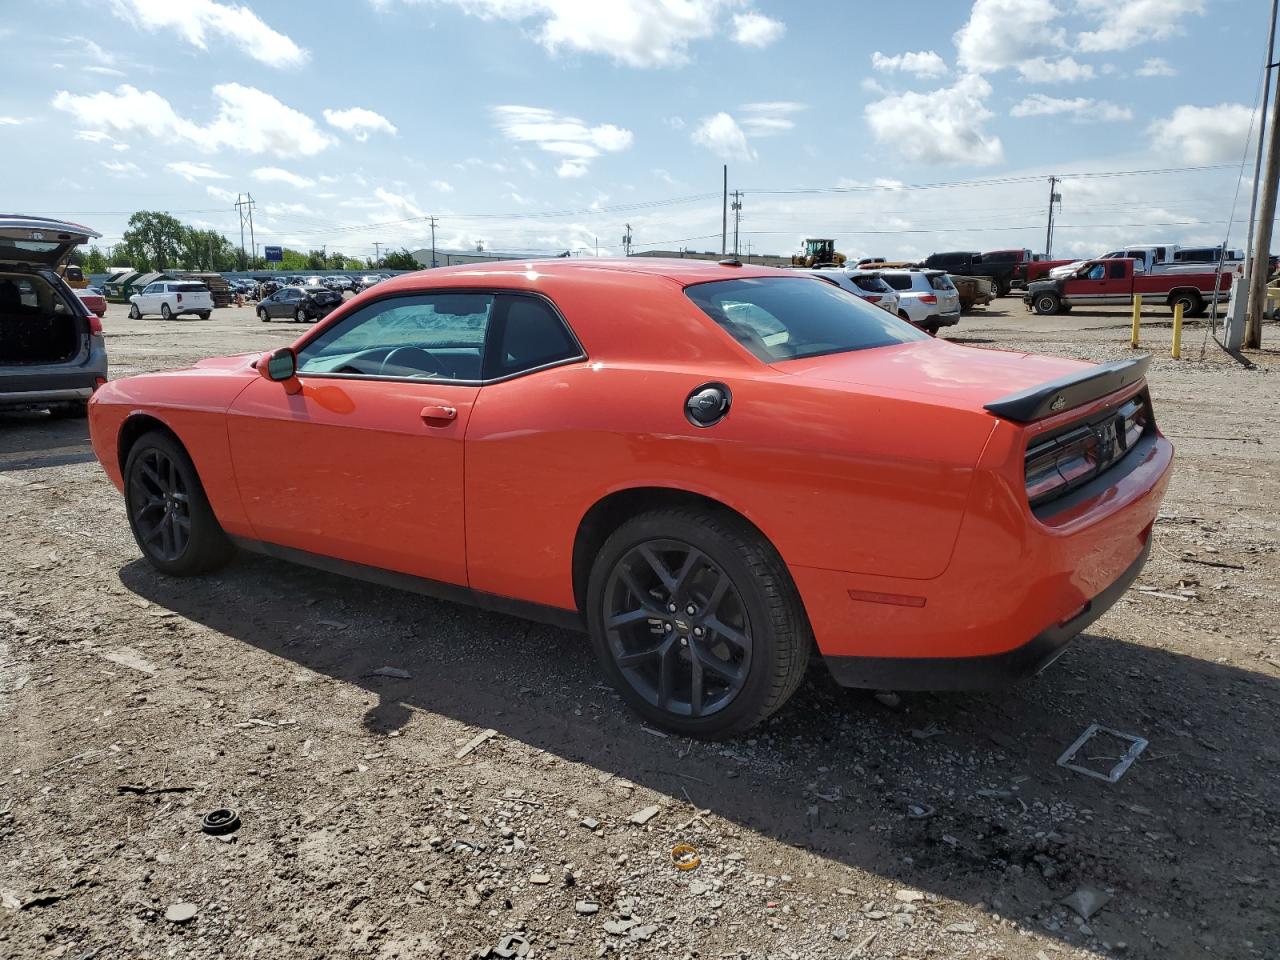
{"x": 36, "y": 386}
{"x": 984, "y": 672}
{"x": 946, "y": 319}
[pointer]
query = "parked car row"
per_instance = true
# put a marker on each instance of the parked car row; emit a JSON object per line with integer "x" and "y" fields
{"x": 926, "y": 298}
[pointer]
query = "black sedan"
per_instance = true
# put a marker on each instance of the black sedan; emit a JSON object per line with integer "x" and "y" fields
{"x": 294, "y": 303}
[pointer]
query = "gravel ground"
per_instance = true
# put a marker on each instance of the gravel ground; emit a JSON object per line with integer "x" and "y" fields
{"x": 491, "y": 785}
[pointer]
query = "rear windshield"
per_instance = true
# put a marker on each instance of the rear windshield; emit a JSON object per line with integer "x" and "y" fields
{"x": 781, "y": 318}
{"x": 871, "y": 284}
{"x": 1001, "y": 256}
{"x": 188, "y": 288}
{"x": 940, "y": 281}
{"x": 899, "y": 281}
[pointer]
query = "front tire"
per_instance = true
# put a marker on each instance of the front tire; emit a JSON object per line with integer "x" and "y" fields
{"x": 695, "y": 620}
{"x": 169, "y": 513}
{"x": 263, "y": 315}
{"x": 1047, "y": 304}
{"x": 299, "y": 316}
{"x": 134, "y": 312}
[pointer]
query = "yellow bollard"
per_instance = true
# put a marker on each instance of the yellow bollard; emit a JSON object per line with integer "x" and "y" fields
{"x": 1177, "y": 331}
{"x": 1137, "y": 320}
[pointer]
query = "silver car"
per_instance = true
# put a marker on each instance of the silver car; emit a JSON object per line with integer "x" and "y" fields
{"x": 52, "y": 351}
{"x": 927, "y": 297}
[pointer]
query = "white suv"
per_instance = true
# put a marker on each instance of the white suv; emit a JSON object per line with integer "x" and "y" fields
{"x": 867, "y": 284}
{"x": 172, "y": 298}
{"x": 927, "y": 298}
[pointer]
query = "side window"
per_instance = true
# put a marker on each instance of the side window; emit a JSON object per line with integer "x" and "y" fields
{"x": 529, "y": 334}
{"x": 1117, "y": 271}
{"x": 150, "y": 288}
{"x": 1097, "y": 272}
{"x": 430, "y": 335}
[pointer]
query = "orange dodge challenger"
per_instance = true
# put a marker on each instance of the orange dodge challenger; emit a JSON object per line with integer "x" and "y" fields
{"x": 712, "y": 468}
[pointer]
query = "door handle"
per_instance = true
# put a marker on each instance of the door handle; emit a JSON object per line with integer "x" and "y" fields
{"x": 438, "y": 411}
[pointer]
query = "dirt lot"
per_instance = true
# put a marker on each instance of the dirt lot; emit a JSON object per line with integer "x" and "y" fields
{"x": 936, "y": 827}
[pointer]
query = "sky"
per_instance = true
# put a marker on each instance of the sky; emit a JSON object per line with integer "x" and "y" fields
{"x": 550, "y": 125}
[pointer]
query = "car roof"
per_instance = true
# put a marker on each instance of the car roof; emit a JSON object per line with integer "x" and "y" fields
{"x": 681, "y": 271}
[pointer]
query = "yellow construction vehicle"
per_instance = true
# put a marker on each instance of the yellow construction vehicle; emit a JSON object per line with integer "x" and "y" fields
{"x": 818, "y": 253}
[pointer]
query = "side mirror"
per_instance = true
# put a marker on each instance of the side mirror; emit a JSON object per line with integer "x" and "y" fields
{"x": 282, "y": 366}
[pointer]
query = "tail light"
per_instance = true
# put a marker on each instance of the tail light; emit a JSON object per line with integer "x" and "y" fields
{"x": 872, "y": 298}
{"x": 179, "y": 298}
{"x": 95, "y": 324}
{"x": 929, "y": 298}
{"x": 1058, "y": 465}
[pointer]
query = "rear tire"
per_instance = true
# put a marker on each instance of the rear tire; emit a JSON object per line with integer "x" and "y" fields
{"x": 204, "y": 314}
{"x": 1047, "y": 304}
{"x": 74, "y": 410}
{"x": 1192, "y": 303}
{"x": 169, "y": 513}
{"x": 165, "y": 312}
{"x": 745, "y": 646}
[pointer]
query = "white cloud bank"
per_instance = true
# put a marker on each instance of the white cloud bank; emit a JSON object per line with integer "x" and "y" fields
{"x": 195, "y": 21}
{"x": 943, "y": 126}
{"x": 359, "y": 122}
{"x": 565, "y": 136}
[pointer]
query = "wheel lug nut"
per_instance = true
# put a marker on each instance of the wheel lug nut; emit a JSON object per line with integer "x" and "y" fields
{"x": 684, "y": 642}
{"x": 698, "y": 631}
{"x": 691, "y": 609}
{"x": 666, "y": 627}
{"x": 671, "y": 608}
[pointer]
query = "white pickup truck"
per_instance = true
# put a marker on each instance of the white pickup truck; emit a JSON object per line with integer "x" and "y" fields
{"x": 1164, "y": 258}
{"x": 172, "y": 298}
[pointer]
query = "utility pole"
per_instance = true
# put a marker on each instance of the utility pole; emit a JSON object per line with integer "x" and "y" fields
{"x": 1266, "y": 216}
{"x": 724, "y": 213}
{"x": 377, "y": 253}
{"x": 626, "y": 242}
{"x": 240, "y": 213}
{"x": 736, "y": 206}
{"x": 434, "y": 263}
{"x": 1054, "y": 197}
{"x": 253, "y": 244}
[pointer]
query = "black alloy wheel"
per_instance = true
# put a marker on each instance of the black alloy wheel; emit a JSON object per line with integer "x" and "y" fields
{"x": 696, "y": 622}
{"x": 169, "y": 514}
{"x": 160, "y": 504}
{"x": 677, "y": 628}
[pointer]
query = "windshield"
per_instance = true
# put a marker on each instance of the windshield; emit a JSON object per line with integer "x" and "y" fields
{"x": 781, "y": 318}
{"x": 188, "y": 287}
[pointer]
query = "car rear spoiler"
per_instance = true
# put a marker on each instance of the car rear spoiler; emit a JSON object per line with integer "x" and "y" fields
{"x": 1073, "y": 390}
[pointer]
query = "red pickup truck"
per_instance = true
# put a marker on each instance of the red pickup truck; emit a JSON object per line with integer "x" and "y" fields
{"x": 1112, "y": 283}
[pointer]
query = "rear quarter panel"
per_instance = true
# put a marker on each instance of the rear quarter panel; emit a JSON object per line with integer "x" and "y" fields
{"x": 835, "y": 477}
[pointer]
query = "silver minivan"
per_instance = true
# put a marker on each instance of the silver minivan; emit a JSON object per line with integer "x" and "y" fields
{"x": 52, "y": 351}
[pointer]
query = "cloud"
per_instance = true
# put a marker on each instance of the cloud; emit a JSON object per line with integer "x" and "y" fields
{"x": 280, "y": 175}
{"x": 1062, "y": 70}
{"x": 769, "y": 118}
{"x": 1205, "y": 134}
{"x": 248, "y": 119}
{"x": 756, "y": 30}
{"x": 359, "y": 122}
{"x": 923, "y": 63}
{"x": 1155, "y": 67}
{"x": 13, "y": 121}
{"x": 1081, "y": 108}
{"x": 1002, "y": 33}
{"x": 722, "y": 136}
{"x": 444, "y": 186}
{"x": 637, "y": 33}
{"x": 121, "y": 168}
{"x": 403, "y": 205}
{"x": 942, "y": 126}
{"x": 568, "y": 137}
{"x": 193, "y": 172}
{"x": 196, "y": 20}
{"x": 219, "y": 194}
{"x": 102, "y": 71}
{"x": 1128, "y": 24}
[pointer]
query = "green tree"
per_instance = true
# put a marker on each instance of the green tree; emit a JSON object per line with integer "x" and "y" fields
{"x": 292, "y": 260}
{"x": 158, "y": 235}
{"x": 207, "y": 250}
{"x": 94, "y": 261}
{"x": 401, "y": 259}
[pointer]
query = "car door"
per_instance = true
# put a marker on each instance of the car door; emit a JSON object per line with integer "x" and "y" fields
{"x": 365, "y": 462}
{"x": 282, "y": 305}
